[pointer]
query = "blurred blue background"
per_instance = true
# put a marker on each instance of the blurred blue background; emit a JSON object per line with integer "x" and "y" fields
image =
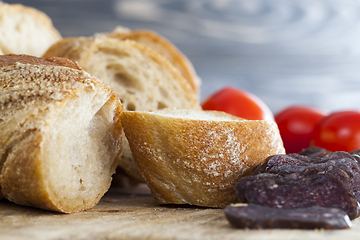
{"x": 284, "y": 51}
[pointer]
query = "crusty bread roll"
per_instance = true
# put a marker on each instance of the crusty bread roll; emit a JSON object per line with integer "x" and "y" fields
{"x": 196, "y": 157}
{"x": 141, "y": 78}
{"x": 165, "y": 48}
{"x": 25, "y": 30}
{"x": 60, "y": 134}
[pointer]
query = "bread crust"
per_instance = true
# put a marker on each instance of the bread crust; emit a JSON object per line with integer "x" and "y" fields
{"x": 186, "y": 160}
{"x": 12, "y": 59}
{"x": 39, "y": 100}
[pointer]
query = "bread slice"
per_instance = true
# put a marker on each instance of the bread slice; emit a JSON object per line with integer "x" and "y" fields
{"x": 141, "y": 78}
{"x": 196, "y": 157}
{"x": 60, "y": 134}
{"x": 165, "y": 48}
{"x": 25, "y": 30}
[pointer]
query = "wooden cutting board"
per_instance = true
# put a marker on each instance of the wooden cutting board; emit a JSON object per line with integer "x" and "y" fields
{"x": 124, "y": 214}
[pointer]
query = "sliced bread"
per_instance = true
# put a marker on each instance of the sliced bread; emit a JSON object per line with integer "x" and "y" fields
{"x": 196, "y": 157}
{"x": 142, "y": 79}
{"x": 60, "y": 134}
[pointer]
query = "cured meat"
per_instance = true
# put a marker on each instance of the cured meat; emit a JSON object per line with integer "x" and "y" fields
{"x": 303, "y": 190}
{"x": 336, "y": 163}
{"x": 314, "y": 152}
{"x": 311, "y": 187}
{"x": 258, "y": 217}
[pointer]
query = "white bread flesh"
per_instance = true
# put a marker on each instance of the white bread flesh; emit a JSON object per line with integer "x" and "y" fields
{"x": 25, "y": 30}
{"x": 196, "y": 157}
{"x": 165, "y": 48}
{"x": 60, "y": 134}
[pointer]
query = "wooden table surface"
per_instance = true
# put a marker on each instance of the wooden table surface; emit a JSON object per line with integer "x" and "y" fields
{"x": 126, "y": 215}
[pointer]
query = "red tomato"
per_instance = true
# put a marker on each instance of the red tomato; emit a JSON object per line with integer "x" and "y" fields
{"x": 239, "y": 103}
{"x": 339, "y": 131}
{"x": 296, "y": 125}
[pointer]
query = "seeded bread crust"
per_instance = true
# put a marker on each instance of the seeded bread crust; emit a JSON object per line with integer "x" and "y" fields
{"x": 60, "y": 134}
{"x": 196, "y": 157}
{"x": 142, "y": 79}
{"x": 25, "y": 30}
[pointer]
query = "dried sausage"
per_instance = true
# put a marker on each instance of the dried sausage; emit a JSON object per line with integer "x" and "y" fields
{"x": 259, "y": 217}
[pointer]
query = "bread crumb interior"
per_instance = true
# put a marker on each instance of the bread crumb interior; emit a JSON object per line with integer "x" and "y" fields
{"x": 81, "y": 151}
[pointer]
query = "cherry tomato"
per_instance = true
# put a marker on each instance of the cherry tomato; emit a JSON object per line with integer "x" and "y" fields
{"x": 339, "y": 131}
{"x": 239, "y": 103}
{"x": 296, "y": 125}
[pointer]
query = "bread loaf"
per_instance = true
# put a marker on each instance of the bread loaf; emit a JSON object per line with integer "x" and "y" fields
{"x": 165, "y": 48}
{"x": 60, "y": 134}
{"x": 141, "y": 78}
{"x": 196, "y": 157}
{"x": 25, "y": 30}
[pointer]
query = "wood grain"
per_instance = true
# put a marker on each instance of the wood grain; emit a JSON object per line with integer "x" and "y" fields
{"x": 135, "y": 215}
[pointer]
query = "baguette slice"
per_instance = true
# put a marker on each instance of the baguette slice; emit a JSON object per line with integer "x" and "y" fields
{"x": 142, "y": 79}
{"x": 165, "y": 48}
{"x": 196, "y": 157}
{"x": 60, "y": 134}
{"x": 25, "y": 30}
